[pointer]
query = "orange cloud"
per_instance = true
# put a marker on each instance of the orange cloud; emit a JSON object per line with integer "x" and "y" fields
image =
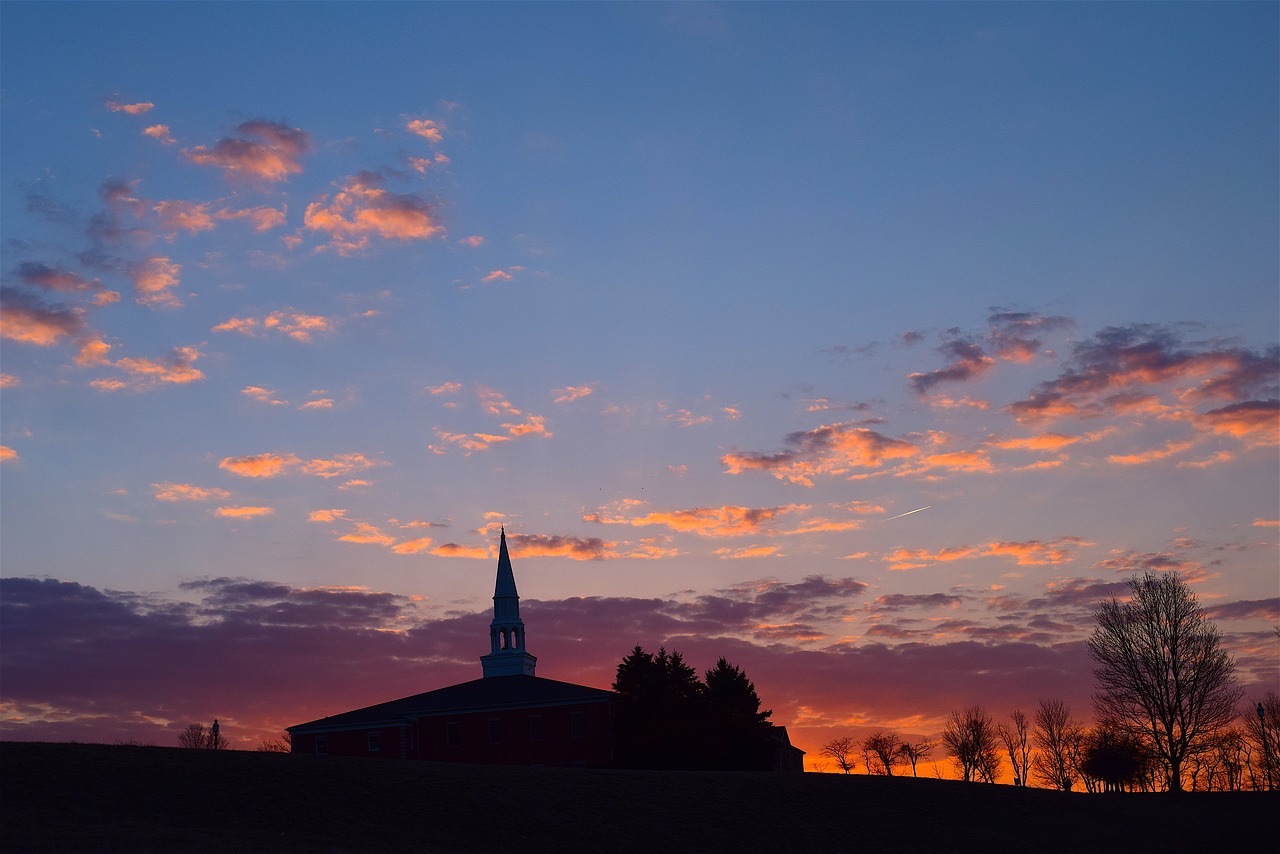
{"x": 366, "y": 534}
{"x": 326, "y": 515}
{"x": 341, "y": 465}
{"x": 7, "y": 454}
{"x": 260, "y": 465}
{"x": 1154, "y": 455}
{"x": 24, "y": 318}
{"x": 426, "y": 128}
{"x": 747, "y": 552}
{"x": 412, "y": 547}
{"x": 178, "y": 368}
{"x": 154, "y": 279}
{"x": 1265, "y": 523}
{"x": 473, "y": 241}
{"x": 266, "y": 151}
{"x": 574, "y": 548}
{"x": 263, "y": 218}
{"x": 296, "y": 325}
{"x": 832, "y": 449}
{"x": 1027, "y": 553}
{"x": 177, "y": 216}
{"x": 497, "y": 275}
{"x": 1254, "y": 421}
{"x": 132, "y": 109}
{"x": 968, "y": 361}
{"x": 572, "y": 393}
{"x": 262, "y": 395}
{"x": 9, "y": 381}
{"x": 727, "y": 521}
{"x": 446, "y": 388}
{"x": 322, "y": 403}
{"x": 160, "y": 133}
{"x": 1040, "y": 442}
{"x": 243, "y": 512}
{"x": 93, "y": 352}
{"x": 455, "y": 550}
{"x": 362, "y": 210}
{"x": 187, "y": 492}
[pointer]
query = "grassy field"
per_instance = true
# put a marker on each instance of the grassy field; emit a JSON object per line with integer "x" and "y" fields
{"x": 80, "y": 797}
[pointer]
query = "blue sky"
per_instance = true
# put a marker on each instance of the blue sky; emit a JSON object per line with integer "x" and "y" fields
{"x": 692, "y": 298}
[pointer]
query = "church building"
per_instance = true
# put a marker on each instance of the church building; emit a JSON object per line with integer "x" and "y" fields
{"x": 509, "y": 716}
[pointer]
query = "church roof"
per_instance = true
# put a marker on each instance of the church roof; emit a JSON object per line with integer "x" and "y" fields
{"x": 506, "y": 584}
{"x": 488, "y": 694}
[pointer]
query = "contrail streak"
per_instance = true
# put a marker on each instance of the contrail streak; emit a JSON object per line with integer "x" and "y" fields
{"x": 908, "y": 513}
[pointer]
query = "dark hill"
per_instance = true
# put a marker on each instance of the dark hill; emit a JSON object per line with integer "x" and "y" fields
{"x": 78, "y": 797}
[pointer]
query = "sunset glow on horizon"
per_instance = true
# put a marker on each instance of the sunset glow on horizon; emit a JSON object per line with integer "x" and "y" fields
{"x": 868, "y": 346}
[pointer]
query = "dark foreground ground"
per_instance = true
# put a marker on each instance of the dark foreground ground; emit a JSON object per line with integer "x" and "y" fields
{"x": 80, "y": 797}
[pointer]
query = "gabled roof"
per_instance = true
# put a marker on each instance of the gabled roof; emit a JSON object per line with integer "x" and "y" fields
{"x": 489, "y": 694}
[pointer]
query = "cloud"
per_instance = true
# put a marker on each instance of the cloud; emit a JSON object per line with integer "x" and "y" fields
{"x": 187, "y": 492}
{"x": 746, "y": 552}
{"x": 243, "y": 512}
{"x": 1123, "y": 367}
{"x": 571, "y": 393}
{"x": 366, "y": 534}
{"x": 412, "y": 547}
{"x": 54, "y": 279}
{"x": 262, "y": 217}
{"x": 292, "y": 324}
{"x": 341, "y": 465}
{"x": 968, "y": 361}
{"x": 135, "y": 109}
{"x": 553, "y": 545}
{"x": 175, "y": 216}
{"x": 473, "y": 241}
{"x": 426, "y": 128}
{"x": 262, "y": 395}
{"x": 326, "y": 515}
{"x": 1024, "y": 553}
{"x": 24, "y": 318}
{"x": 832, "y": 449}
{"x": 266, "y": 151}
{"x": 154, "y": 280}
{"x": 143, "y": 374}
{"x": 160, "y": 133}
{"x": 1170, "y": 448}
{"x": 1039, "y": 442}
{"x": 726, "y": 521}
{"x": 7, "y": 454}
{"x": 321, "y": 403}
{"x": 1254, "y": 421}
{"x": 362, "y": 210}
{"x": 456, "y": 550}
{"x": 260, "y": 465}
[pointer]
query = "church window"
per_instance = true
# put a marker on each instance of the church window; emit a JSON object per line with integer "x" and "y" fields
{"x": 375, "y": 742}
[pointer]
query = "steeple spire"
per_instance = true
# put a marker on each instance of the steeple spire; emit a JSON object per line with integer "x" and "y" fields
{"x": 507, "y": 655}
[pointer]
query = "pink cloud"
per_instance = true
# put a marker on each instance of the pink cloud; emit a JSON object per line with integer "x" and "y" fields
{"x": 144, "y": 374}
{"x": 726, "y": 521}
{"x": 160, "y": 133}
{"x": 25, "y": 319}
{"x": 260, "y": 465}
{"x": 832, "y": 449}
{"x": 571, "y": 393}
{"x": 473, "y": 241}
{"x": 55, "y": 279}
{"x": 262, "y": 395}
{"x": 243, "y": 512}
{"x": 362, "y": 210}
{"x": 262, "y": 218}
{"x": 188, "y": 492}
{"x": 177, "y": 216}
{"x": 293, "y": 324}
{"x": 267, "y": 151}
{"x": 154, "y": 280}
{"x": 426, "y": 128}
{"x": 135, "y": 109}
{"x": 7, "y": 454}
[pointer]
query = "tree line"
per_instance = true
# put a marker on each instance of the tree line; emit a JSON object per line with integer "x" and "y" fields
{"x": 1167, "y": 714}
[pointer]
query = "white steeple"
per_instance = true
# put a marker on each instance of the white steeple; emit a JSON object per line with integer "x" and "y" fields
{"x": 507, "y": 655}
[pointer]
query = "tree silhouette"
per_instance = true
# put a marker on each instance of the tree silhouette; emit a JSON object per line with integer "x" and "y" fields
{"x": 971, "y": 740}
{"x": 842, "y": 751}
{"x": 200, "y": 737}
{"x": 1017, "y": 745}
{"x": 664, "y": 717}
{"x": 1056, "y": 739}
{"x": 1263, "y": 734}
{"x": 883, "y": 750}
{"x": 915, "y": 751}
{"x": 736, "y": 728}
{"x": 1162, "y": 674}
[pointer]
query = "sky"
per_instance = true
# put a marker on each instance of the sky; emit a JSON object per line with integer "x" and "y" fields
{"x": 867, "y": 345}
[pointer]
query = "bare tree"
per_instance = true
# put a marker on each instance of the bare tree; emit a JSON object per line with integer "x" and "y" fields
{"x": 1162, "y": 673}
{"x": 883, "y": 750}
{"x": 200, "y": 737}
{"x": 279, "y": 744}
{"x": 1017, "y": 745}
{"x": 971, "y": 741}
{"x": 1263, "y": 734}
{"x": 842, "y": 751}
{"x": 916, "y": 751}
{"x": 1056, "y": 738}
